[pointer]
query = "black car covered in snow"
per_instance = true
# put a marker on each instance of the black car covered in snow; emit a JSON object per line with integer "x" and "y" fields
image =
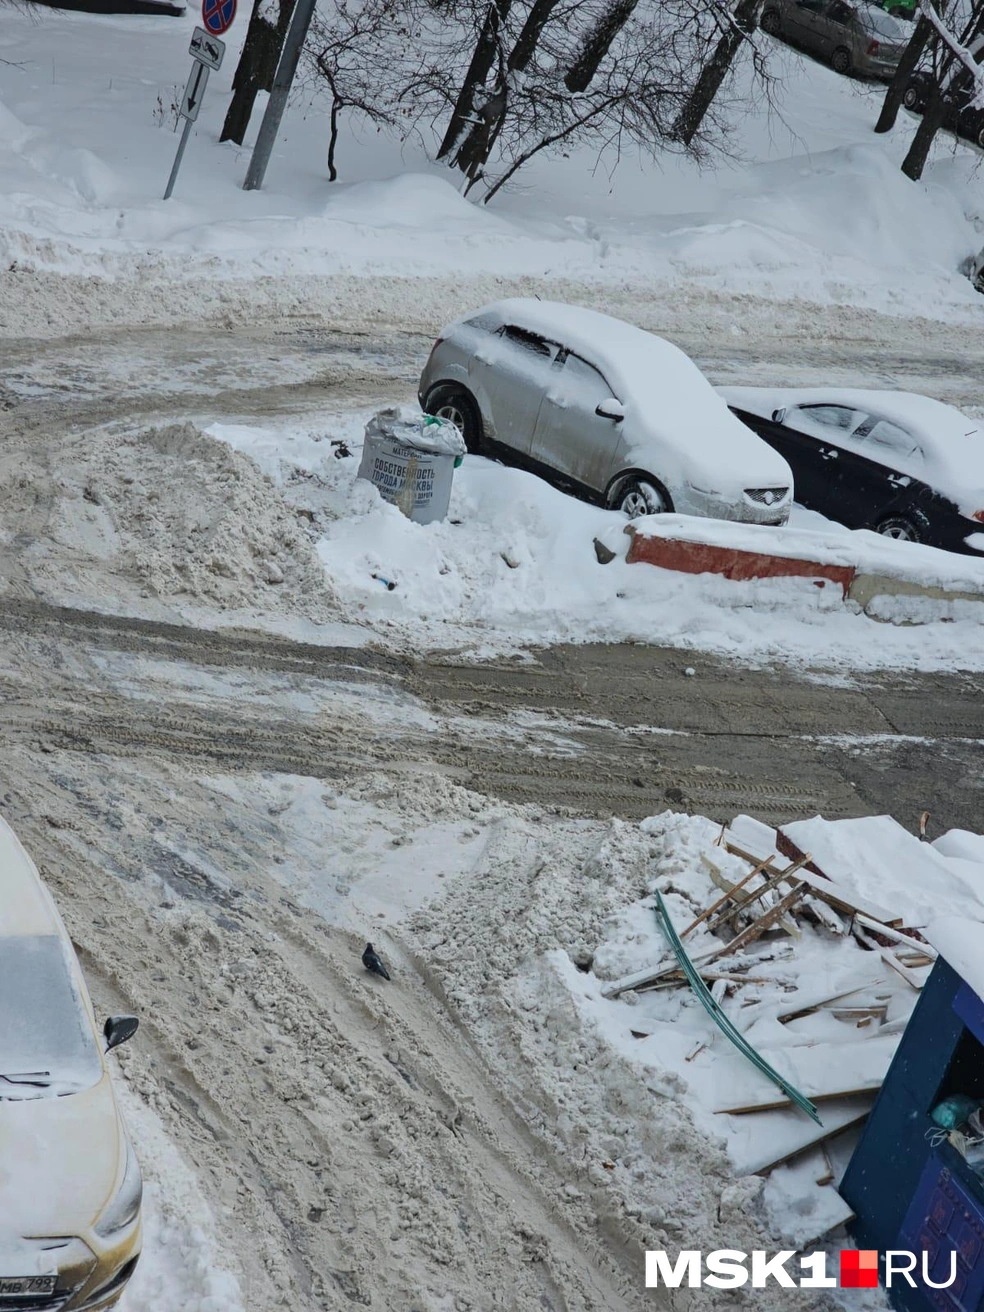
{"x": 963, "y": 114}
{"x": 904, "y": 465}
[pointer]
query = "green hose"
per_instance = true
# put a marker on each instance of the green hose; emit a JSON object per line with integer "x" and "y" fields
{"x": 720, "y": 1019}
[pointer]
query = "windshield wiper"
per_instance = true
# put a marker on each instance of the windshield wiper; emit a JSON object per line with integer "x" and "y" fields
{"x": 36, "y": 1079}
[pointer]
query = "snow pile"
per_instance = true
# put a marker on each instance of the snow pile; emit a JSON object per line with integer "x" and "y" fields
{"x": 877, "y": 859}
{"x": 814, "y": 207}
{"x": 181, "y": 1267}
{"x": 515, "y": 564}
{"x": 631, "y": 1087}
{"x": 165, "y": 516}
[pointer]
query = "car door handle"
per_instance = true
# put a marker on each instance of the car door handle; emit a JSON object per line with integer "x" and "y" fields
{"x": 828, "y": 455}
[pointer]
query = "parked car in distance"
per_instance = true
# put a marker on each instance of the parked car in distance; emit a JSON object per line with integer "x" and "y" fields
{"x": 606, "y": 410}
{"x": 70, "y": 1185}
{"x": 904, "y": 465}
{"x": 851, "y": 37}
{"x": 962, "y": 116}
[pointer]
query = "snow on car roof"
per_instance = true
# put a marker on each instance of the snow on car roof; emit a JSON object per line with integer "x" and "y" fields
{"x": 953, "y": 443}
{"x": 657, "y": 382}
{"x": 25, "y": 906}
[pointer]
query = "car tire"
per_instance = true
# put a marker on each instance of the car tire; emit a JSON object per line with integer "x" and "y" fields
{"x": 769, "y": 22}
{"x": 454, "y": 403}
{"x": 840, "y": 60}
{"x": 639, "y": 495}
{"x": 912, "y": 98}
{"x": 899, "y": 528}
{"x": 979, "y": 136}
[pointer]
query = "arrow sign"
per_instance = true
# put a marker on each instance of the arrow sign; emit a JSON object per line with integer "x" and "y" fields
{"x": 194, "y": 92}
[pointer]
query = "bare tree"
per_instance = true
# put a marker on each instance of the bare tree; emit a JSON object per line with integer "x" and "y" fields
{"x": 955, "y": 71}
{"x": 503, "y": 81}
{"x": 736, "y": 25}
{"x": 486, "y": 53}
{"x": 597, "y": 43}
{"x": 911, "y": 57}
{"x": 257, "y": 65}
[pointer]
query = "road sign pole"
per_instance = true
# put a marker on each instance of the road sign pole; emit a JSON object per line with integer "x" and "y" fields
{"x": 190, "y": 105}
{"x": 289, "y": 59}
{"x": 185, "y": 134}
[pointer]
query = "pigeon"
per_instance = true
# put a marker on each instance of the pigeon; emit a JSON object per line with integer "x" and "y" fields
{"x": 372, "y": 963}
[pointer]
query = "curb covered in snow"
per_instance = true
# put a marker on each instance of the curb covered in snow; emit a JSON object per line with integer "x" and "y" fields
{"x": 731, "y": 562}
{"x": 865, "y": 565}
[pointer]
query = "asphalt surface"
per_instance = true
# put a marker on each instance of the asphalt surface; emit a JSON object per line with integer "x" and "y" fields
{"x": 601, "y": 730}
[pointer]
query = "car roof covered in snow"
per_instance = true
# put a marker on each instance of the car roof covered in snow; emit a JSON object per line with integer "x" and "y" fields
{"x": 25, "y": 904}
{"x": 953, "y": 443}
{"x": 657, "y": 382}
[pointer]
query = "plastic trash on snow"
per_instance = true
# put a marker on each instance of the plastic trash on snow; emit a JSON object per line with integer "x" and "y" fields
{"x": 411, "y": 459}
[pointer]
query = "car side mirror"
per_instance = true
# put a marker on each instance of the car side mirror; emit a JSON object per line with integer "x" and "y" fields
{"x": 611, "y": 409}
{"x": 118, "y": 1029}
{"x": 779, "y": 415}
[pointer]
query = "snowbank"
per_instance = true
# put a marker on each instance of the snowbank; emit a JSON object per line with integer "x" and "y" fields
{"x": 514, "y": 564}
{"x": 814, "y": 207}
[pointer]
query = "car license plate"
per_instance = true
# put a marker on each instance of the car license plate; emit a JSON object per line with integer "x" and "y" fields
{"x": 17, "y": 1286}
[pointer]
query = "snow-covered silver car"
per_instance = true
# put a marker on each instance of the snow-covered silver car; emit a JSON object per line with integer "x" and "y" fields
{"x": 607, "y": 410}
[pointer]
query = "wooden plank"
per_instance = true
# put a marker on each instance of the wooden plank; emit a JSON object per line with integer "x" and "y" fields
{"x": 847, "y": 902}
{"x": 779, "y": 1103}
{"x": 805, "y": 1210}
{"x": 835, "y": 895}
{"x": 726, "y": 897}
{"x": 758, "y": 927}
{"x": 788, "y": 1133}
{"x": 742, "y": 904}
{"x": 822, "y": 1071}
{"x": 918, "y": 945}
{"x": 910, "y": 977}
{"x": 814, "y": 1001}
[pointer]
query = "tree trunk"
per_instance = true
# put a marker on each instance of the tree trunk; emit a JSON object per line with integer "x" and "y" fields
{"x": 911, "y": 56}
{"x": 930, "y": 124}
{"x": 482, "y": 60}
{"x": 256, "y": 68}
{"x": 744, "y": 20}
{"x": 474, "y": 151}
{"x": 598, "y": 43}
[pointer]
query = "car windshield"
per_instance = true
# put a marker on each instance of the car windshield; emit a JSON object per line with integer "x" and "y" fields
{"x": 46, "y": 1042}
{"x": 876, "y": 20}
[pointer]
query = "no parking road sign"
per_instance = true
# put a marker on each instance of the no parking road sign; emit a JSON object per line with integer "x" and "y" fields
{"x": 217, "y": 15}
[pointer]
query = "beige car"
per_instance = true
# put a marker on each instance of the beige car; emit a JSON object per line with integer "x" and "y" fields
{"x": 853, "y": 38}
{"x": 70, "y": 1185}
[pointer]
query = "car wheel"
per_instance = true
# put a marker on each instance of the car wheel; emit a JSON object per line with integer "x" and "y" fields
{"x": 769, "y": 22}
{"x": 979, "y": 136}
{"x": 840, "y": 60}
{"x": 899, "y": 528}
{"x": 911, "y": 98}
{"x": 456, "y": 404}
{"x": 638, "y": 496}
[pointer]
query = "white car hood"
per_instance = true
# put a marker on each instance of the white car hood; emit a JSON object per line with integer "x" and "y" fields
{"x": 718, "y": 453}
{"x": 60, "y": 1160}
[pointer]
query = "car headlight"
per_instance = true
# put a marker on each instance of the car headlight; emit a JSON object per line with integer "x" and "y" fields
{"x": 124, "y": 1206}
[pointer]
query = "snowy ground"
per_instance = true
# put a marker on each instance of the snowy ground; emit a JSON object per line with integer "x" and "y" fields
{"x": 815, "y": 208}
{"x": 224, "y": 820}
